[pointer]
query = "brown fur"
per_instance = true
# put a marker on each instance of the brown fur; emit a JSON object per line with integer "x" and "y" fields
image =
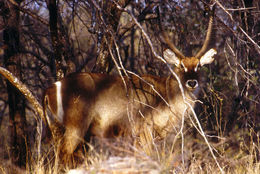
{"x": 97, "y": 104}
{"x": 101, "y": 105}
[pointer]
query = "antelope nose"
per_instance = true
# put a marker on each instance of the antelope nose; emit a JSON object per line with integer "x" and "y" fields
{"x": 192, "y": 84}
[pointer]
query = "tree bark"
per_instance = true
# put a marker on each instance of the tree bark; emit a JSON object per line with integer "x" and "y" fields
{"x": 17, "y": 119}
{"x": 57, "y": 69}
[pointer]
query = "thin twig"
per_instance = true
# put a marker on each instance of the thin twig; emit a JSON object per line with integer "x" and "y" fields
{"x": 241, "y": 9}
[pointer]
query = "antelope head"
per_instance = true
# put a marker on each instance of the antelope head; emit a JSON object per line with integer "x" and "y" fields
{"x": 187, "y": 67}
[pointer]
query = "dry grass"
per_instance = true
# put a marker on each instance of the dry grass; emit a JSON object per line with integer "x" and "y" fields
{"x": 238, "y": 153}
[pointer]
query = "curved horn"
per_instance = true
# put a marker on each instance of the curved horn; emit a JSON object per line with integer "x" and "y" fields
{"x": 168, "y": 42}
{"x": 172, "y": 46}
{"x": 206, "y": 42}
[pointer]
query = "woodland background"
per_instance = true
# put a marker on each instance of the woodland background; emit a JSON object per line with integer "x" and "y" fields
{"x": 43, "y": 40}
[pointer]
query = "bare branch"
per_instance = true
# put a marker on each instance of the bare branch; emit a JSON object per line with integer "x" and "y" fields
{"x": 24, "y": 90}
{"x": 240, "y": 28}
{"x": 27, "y": 11}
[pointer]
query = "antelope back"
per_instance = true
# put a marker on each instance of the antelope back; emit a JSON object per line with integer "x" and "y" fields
{"x": 102, "y": 101}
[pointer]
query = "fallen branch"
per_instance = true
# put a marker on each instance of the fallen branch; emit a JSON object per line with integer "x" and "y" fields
{"x": 24, "y": 90}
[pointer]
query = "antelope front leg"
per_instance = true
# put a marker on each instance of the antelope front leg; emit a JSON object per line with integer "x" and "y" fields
{"x": 71, "y": 139}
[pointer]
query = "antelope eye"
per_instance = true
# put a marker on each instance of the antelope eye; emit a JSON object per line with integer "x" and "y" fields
{"x": 197, "y": 67}
{"x": 183, "y": 67}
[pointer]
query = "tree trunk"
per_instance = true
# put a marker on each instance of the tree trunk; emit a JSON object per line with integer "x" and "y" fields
{"x": 57, "y": 69}
{"x": 17, "y": 120}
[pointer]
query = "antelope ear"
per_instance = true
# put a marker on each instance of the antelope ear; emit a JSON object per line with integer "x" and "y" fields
{"x": 171, "y": 58}
{"x": 208, "y": 58}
